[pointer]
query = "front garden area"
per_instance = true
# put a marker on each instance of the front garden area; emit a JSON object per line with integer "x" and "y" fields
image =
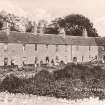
{"x": 71, "y": 82}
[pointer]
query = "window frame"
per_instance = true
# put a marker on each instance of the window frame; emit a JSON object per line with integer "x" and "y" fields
{"x": 36, "y": 47}
{"x": 57, "y": 48}
{"x": 89, "y": 48}
{"x": 5, "y": 47}
{"x": 47, "y": 46}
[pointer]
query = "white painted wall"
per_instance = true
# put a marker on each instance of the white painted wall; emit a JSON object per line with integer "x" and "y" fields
{"x": 64, "y": 52}
{"x": 85, "y": 52}
{"x": 15, "y": 52}
{"x": 29, "y": 53}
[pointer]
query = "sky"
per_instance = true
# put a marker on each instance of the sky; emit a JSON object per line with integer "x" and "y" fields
{"x": 49, "y": 9}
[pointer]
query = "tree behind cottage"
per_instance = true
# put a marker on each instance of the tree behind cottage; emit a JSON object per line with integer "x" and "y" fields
{"x": 74, "y": 25}
{"x": 21, "y": 24}
{"x": 15, "y": 23}
{"x": 3, "y": 14}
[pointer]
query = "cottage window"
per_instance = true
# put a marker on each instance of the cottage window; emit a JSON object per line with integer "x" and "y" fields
{"x": 82, "y": 58}
{"x": 47, "y": 46}
{"x": 35, "y": 47}
{"x": 57, "y": 47}
{"x": 36, "y": 60}
{"x": 47, "y": 59}
{"x": 75, "y": 60}
{"x": 57, "y": 59}
{"x": 89, "y": 48}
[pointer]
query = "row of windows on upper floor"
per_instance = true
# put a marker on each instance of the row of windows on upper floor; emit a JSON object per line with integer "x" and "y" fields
{"x": 57, "y": 47}
{"x": 47, "y": 46}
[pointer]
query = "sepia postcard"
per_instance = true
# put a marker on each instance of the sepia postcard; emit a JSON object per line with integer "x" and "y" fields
{"x": 52, "y": 52}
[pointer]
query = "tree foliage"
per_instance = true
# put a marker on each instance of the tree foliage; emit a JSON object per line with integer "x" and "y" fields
{"x": 74, "y": 25}
{"x": 52, "y": 28}
{"x": 16, "y": 23}
{"x": 29, "y": 26}
{"x": 1, "y": 23}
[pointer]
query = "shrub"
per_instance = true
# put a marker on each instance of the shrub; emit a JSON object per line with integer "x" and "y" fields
{"x": 38, "y": 84}
{"x": 43, "y": 76}
{"x": 70, "y": 71}
{"x": 60, "y": 83}
{"x": 10, "y": 83}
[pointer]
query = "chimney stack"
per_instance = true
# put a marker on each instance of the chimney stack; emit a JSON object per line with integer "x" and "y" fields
{"x": 34, "y": 28}
{"x": 41, "y": 26}
{"x": 62, "y": 32}
{"x": 84, "y": 33}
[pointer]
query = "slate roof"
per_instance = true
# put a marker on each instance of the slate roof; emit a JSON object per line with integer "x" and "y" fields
{"x": 78, "y": 40}
{"x": 18, "y": 37}
{"x": 100, "y": 41}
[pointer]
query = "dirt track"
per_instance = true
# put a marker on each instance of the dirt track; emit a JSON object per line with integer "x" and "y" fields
{"x": 11, "y": 99}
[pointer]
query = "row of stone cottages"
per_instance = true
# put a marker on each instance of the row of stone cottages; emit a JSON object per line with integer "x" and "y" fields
{"x": 29, "y": 48}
